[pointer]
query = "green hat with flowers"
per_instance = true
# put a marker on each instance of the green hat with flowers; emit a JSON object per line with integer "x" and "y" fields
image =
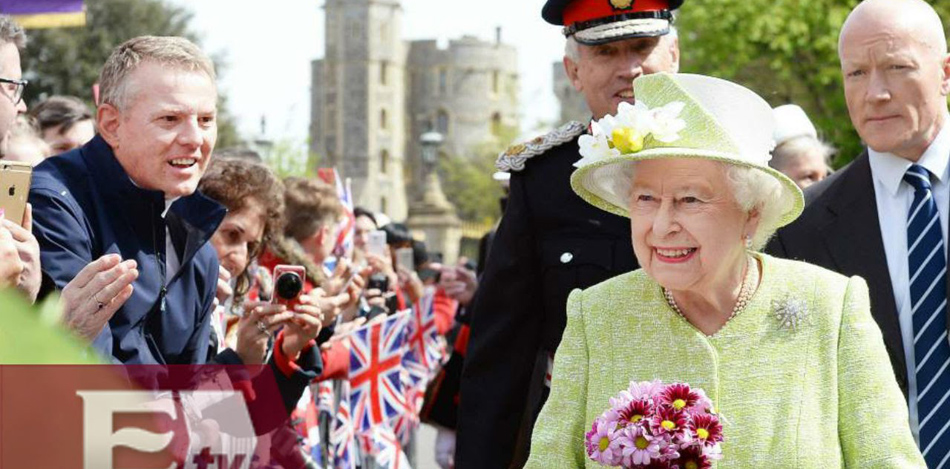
{"x": 679, "y": 116}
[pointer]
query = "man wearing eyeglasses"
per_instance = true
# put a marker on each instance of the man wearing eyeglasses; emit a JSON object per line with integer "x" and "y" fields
{"x": 11, "y": 76}
{"x": 22, "y": 270}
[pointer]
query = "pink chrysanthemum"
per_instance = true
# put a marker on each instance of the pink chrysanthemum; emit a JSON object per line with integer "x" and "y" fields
{"x": 669, "y": 421}
{"x": 636, "y": 411}
{"x": 603, "y": 443}
{"x": 639, "y": 448}
{"x": 679, "y": 396}
{"x": 645, "y": 389}
{"x": 668, "y": 450}
{"x": 590, "y": 440}
{"x": 691, "y": 458}
{"x": 706, "y": 429}
{"x": 704, "y": 404}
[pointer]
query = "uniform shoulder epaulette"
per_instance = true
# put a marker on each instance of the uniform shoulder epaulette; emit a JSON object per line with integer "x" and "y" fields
{"x": 514, "y": 158}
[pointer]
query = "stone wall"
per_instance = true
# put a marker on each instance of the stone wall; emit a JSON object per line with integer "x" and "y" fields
{"x": 358, "y": 119}
{"x": 374, "y": 94}
{"x": 467, "y": 91}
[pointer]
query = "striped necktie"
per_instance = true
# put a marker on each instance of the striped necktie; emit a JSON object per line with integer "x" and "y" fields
{"x": 927, "y": 263}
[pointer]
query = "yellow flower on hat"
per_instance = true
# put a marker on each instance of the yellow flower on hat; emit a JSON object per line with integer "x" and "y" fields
{"x": 627, "y": 132}
{"x": 627, "y": 139}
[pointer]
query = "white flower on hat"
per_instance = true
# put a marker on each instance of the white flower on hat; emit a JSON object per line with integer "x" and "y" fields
{"x": 628, "y": 130}
{"x": 667, "y": 123}
{"x": 595, "y": 146}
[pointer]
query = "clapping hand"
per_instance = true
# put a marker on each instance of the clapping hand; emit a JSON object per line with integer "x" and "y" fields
{"x": 96, "y": 293}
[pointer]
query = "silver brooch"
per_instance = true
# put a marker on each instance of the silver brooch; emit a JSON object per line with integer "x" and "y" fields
{"x": 790, "y": 313}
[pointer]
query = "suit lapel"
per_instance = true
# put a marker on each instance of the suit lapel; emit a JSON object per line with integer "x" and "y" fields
{"x": 853, "y": 239}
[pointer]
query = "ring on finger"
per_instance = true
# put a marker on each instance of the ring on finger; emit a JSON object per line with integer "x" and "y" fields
{"x": 99, "y": 304}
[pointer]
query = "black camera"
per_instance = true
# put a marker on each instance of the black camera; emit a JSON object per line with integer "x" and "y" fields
{"x": 288, "y": 284}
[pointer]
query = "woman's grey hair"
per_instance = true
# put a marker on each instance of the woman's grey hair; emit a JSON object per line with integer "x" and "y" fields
{"x": 756, "y": 190}
{"x": 790, "y": 149}
{"x": 573, "y": 52}
{"x": 753, "y": 190}
{"x": 175, "y": 52}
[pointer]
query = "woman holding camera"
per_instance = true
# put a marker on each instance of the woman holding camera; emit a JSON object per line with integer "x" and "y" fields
{"x": 253, "y": 197}
{"x": 312, "y": 211}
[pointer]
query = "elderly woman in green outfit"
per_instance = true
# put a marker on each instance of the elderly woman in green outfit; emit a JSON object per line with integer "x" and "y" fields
{"x": 787, "y": 352}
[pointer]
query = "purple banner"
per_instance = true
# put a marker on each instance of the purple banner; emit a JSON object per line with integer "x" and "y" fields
{"x": 35, "y": 7}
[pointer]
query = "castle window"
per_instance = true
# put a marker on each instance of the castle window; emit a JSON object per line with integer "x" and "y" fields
{"x": 495, "y": 82}
{"x": 383, "y": 205}
{"x": 353, "y": 30}
{"x": 443, "y": 81}
{"x": 383, "y": 161}
{"x": 383, "y": 119}
{"x": 383, "y": 69}
{"x": 442, "y": 122}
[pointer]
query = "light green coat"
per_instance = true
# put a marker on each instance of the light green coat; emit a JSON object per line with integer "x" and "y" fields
{"x": 820, "y": 396}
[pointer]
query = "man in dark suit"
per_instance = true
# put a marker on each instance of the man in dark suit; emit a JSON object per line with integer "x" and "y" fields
{"x": 884, "y": 217}
{"x": 550, "y": 241}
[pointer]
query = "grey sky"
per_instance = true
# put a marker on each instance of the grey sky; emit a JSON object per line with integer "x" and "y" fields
{"x": 268, "y": 46}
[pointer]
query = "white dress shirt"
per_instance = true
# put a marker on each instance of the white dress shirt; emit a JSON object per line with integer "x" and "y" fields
{"x": 894, "y": 198}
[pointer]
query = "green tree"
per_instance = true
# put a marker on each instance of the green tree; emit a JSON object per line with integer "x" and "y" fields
{"x": 467, "y": 182}
{"x": 68, "y": 60}
{"x": 785, "y": 50}
{"x": 287, "y": 158}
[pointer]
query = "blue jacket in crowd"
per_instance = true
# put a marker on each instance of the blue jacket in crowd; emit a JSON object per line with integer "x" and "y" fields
{"x": 85, "y": 206}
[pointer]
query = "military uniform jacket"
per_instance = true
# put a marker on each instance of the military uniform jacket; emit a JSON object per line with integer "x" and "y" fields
{"x": 549, "y": 242}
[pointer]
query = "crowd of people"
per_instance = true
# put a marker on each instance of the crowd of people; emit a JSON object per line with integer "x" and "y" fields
{"x": 160, "y": 254}
{"x": 668, "y": 241}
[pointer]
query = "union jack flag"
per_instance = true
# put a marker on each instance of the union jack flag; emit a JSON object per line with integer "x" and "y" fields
{"x": 415, "y": 379}
{"x": 423, "y": 335}
{"x": 307, "y": 423}
{"x": 376, "y": 354}
{"x": 324, "y": 391}
{"x": 345, "y": 230}
{"x": 342, "y": 437}
{"x": 387, "y": 450}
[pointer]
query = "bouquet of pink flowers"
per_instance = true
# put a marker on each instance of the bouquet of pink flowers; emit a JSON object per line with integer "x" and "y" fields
{"x": 659, "y": 426}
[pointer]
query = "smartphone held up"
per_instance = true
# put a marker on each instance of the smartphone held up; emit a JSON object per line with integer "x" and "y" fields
{"x": 15, "y": 178}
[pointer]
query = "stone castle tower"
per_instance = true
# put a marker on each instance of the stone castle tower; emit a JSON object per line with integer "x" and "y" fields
{"x": 358, "y": 120}
{"x": 374, "y": 95}
{"x": 468, "y": 92}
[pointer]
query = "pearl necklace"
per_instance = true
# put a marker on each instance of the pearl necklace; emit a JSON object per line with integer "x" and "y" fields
{"x": 748, "y": 288}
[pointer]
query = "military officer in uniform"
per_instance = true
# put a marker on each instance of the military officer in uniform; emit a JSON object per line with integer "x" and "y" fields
{"x": 550, "y": 241}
